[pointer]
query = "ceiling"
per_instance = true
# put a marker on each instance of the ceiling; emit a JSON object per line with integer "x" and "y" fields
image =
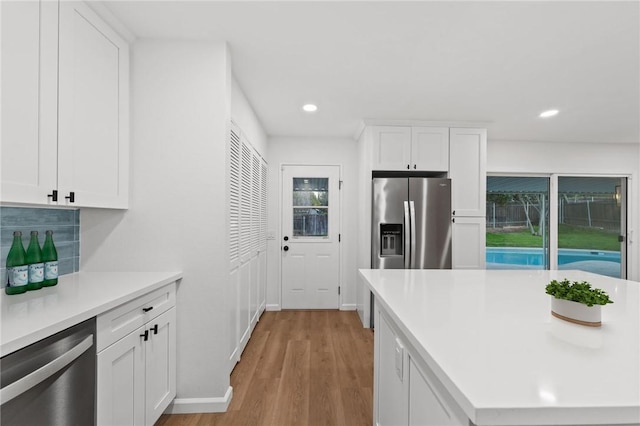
{"x": 498, "y": 64}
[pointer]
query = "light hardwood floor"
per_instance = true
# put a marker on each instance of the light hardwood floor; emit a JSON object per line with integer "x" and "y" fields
{"x": 299, "y": 368}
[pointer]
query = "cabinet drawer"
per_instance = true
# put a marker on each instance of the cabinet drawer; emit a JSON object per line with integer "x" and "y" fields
{"x": 118, "y": 322}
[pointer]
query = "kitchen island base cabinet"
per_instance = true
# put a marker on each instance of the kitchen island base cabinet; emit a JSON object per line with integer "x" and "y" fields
{"x": 136, "y": 377}
{"x": 404, "y": 392}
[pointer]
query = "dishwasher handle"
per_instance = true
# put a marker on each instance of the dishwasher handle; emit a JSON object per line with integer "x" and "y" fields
{"x": 36, "y": 377}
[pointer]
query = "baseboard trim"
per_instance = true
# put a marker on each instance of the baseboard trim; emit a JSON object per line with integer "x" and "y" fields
{"x": 348, "y": 307}
{"x": 273, "y": 308}
{"x": 200, "y": 405}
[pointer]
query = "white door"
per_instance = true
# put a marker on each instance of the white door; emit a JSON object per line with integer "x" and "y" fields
{"x": 310, "y": 237}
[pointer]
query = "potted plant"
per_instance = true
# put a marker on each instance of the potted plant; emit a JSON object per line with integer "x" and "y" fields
{"x": 577, "y": 302}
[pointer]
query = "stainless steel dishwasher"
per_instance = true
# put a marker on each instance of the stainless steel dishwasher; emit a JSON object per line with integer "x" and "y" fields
{"x": 51, "y": 382}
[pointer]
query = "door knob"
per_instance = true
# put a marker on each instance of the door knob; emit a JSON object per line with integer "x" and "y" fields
{"x": 285, "y": 248}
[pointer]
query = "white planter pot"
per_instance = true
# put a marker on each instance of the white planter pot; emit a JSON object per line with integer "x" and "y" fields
{"x": 576, "y": 312}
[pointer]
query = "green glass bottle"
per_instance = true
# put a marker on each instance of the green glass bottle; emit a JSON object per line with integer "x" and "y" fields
{"x": 34, "y": 260}
{"x": 17, "y": 269}
{"x": 50, "y": 259}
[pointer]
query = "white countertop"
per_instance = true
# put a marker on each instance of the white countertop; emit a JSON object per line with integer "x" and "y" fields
{"x": 490, "y": 339}
{"x": 34, "y": 315}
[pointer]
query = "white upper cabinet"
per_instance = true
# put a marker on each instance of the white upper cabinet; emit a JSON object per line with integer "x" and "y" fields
{"x": 468, "y": 171}
{"x": 410, "y": 148}
{"x": 29, "y": 100}
{"x": 391, "y": 147}
{"x": 93, "y": 148}
{"x": 430, "y": 149}
{"x": 65, "y": 97}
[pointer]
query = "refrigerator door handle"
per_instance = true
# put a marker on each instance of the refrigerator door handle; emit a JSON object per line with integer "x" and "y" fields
{"x": 412, "y": 213}
{"x": 407, "y": 238}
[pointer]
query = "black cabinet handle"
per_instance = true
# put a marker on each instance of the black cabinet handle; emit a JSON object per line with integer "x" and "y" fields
{"x": 145, "y": 335}
{"x": 454, "y": 212}
{"x": 408, "y": 166}
{"x": 155, "y": 329}
{"x": 71, "y": 197}
{"x": 147, "y": 309}
{"x": 414, "y": 166}
{"x": 453, "y": 220}
{"x": 53, "y": 195}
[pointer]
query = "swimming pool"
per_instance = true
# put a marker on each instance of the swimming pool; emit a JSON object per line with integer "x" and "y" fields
{"x": 597, "y": 261}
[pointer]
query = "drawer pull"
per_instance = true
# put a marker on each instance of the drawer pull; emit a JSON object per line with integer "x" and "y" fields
{"x": 145, "y": 335}
{"x": 155, "y": 329}
{"x": 147, "y": 309}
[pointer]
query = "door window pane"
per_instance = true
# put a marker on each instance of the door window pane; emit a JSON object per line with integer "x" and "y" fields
{"x": 310, "y": 207}
{"x": 589, "y": 223}
{"x": 517, "y": 222}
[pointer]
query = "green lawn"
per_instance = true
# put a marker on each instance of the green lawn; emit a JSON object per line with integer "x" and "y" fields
{"x": 568, "y": 237}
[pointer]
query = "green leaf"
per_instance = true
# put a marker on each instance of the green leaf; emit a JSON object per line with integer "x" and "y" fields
{"x": 580, "y": 292}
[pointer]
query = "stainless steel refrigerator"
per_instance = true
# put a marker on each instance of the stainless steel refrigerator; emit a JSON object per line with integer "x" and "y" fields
{"x": 411, "y": 223}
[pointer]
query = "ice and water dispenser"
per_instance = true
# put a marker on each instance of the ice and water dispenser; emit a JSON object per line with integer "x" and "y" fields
{"x": 391, "y": 239}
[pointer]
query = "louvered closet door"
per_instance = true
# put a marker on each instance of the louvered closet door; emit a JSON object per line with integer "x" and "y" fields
{"x": 235, "y": 156}
{"x": 255, "y": 236}
{"x": 234, "y": 197}
{"x": 262, "y": 254}
{"x": 244, "y": 284}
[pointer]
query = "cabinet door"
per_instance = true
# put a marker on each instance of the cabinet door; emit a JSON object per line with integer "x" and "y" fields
{"x": 428, "y": 405}
{"x": 467, "y": 170}
{"x": 468, "y": 243}
{"x": 93, "y": 146}
{"x": 430, "y": 149}
{"x": 161, "y": 365}
{"x": 29, "y": 100}
{"x": 120, "y": 382}
{"x": 391, "y": 148}
{"x": 244, "y": 311}
{"x": 390, "y": 390}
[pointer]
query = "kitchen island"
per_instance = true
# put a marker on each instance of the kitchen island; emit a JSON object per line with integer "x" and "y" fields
{"x": 459, "y": 347}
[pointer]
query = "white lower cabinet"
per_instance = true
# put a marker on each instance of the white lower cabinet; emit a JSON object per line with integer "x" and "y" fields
{"x": 406, "y": 391}
{"x": 136, "y": 374}
{"x": 427, "y": 406}
{"x": 468, "y": 243}
{"x": 390, "y": 390}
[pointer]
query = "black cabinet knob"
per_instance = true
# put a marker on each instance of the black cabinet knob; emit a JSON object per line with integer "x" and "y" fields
{"x": 285, "y": 248}
{"x": 286, "y": 238}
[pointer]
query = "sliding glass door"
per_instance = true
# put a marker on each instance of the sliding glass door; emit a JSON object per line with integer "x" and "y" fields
{"x": 591, "y": 224}
{"x": 584, "y": 227}
{"x": 517, "y": 222}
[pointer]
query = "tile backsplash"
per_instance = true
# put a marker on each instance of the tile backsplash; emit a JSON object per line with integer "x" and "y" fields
{"x": 65, "y": 225}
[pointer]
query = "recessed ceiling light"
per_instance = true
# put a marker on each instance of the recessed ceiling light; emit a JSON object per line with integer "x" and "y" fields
{"x": 549, "y": 113}
{"x": 310, "y": 108}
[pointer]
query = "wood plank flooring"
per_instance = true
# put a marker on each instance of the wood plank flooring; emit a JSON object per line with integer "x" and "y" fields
{"x": 299, "y": 368}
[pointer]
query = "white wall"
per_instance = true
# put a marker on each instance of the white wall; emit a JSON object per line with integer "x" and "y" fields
{"x": 180, "y": 108}
{"x": 292, "y": 150}
{"x": 243, "y": 115}
{"x": 576, "y": 158}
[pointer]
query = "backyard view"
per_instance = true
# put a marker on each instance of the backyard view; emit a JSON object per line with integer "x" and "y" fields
{"x": 569, "y": 236}
{"x": 589, "y": 223}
